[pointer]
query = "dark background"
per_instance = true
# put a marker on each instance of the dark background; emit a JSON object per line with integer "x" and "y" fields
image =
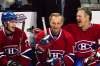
{"x": 45, "y": 7}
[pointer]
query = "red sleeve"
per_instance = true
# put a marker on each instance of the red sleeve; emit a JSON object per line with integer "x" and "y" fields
{"x": 98, "y": 27}
{"x": 70, "y": 42}
{"x": 26, "y": 50}
{"x": 68, "y": 58}
{"x": 41, "y": 57}
{"x": 39, "y": 36}
{"x": 3, "y": 57}
{"x": 25, "y": 45}
{"x": 66, "y": 27}
{"x": 23, "y": 42}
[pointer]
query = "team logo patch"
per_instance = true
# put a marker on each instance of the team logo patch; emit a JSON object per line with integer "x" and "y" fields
{"x": 84, "y": 46}
{"x": 11, "y": 50}
{"x": 57, "y": 53}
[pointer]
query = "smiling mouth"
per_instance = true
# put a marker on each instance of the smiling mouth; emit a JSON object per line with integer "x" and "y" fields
{"x": 78, "y": 22}
{"x": 13, "y": 27}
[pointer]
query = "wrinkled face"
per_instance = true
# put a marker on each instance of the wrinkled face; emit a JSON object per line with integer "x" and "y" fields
{"x": 82, "y": 18}
{"x": 56, "y": 23}
{"x": 11, "y": 25}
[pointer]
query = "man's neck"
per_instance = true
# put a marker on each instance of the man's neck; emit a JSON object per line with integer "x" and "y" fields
{"x": 55, "y": 33}
{"x": 8, "y": 33}
{"x": 85, "y": 27}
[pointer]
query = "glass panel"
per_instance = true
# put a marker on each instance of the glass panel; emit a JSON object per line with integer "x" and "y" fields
{"x": 93, "y": 4}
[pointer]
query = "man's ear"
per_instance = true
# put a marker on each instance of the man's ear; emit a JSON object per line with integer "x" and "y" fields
{"x": 62, "y": 23}
{"x": 5, "y": 24}
{"x": 99, "y": 41}
{"x": 88, "y": 16}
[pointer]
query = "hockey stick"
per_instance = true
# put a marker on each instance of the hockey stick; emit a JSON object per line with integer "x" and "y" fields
{"x": 21, "y": 19}
{"x": 44, "y": 26}
{"x": 45, "y": 31}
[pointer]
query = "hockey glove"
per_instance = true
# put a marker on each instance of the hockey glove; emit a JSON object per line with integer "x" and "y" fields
{"x": 13, "y": 63}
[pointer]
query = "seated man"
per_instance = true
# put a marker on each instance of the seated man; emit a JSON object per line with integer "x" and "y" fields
{"x": 57, "y": 46}
{"x": 86, "y": 36}
{"x": 14, "y": 49}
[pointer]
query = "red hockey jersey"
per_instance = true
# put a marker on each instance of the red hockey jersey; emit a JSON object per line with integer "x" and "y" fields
{"x": 61, "y": 45}
{"x": 13, "y": 48}
{"x": 84, "y": 40}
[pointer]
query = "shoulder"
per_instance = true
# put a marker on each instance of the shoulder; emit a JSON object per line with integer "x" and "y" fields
{"x": 40, "y": 34}
{"x": 43, "y": 33}
{"x": 18, "y": 30}
{"x": 66, "y": 33}
{"x": 1, "y": 32}
{"x": 68, "y": 37}
{"x": 96, "y": 26}
{"x": 69, "y": 26}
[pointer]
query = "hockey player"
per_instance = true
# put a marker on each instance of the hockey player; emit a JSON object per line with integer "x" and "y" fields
{"x": 86, "y": 35}
{"x": 57, "y": 50}
{"x": 14, "y": 49}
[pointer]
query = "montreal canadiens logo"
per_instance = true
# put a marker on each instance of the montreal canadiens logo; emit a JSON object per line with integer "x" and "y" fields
{"x": 57, "y": 53}
{"x": 11, "y": 50}
{"x": 84, "y": 46}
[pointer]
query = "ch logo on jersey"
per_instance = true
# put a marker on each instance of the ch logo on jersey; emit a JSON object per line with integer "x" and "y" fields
{"x": 57, "y": 53}
{"x": 84, "y": 46}
{"x": 11, "y": 51}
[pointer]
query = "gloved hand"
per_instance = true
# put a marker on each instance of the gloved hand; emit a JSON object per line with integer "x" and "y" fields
{"x": 52, "y": 61}
{"x": 14, "y": 63}
{"x": 98, "y": 52}
{"x": 39, "y": 49}
{"x": 45, "y": 40}
{"x": 43, "y": 45}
